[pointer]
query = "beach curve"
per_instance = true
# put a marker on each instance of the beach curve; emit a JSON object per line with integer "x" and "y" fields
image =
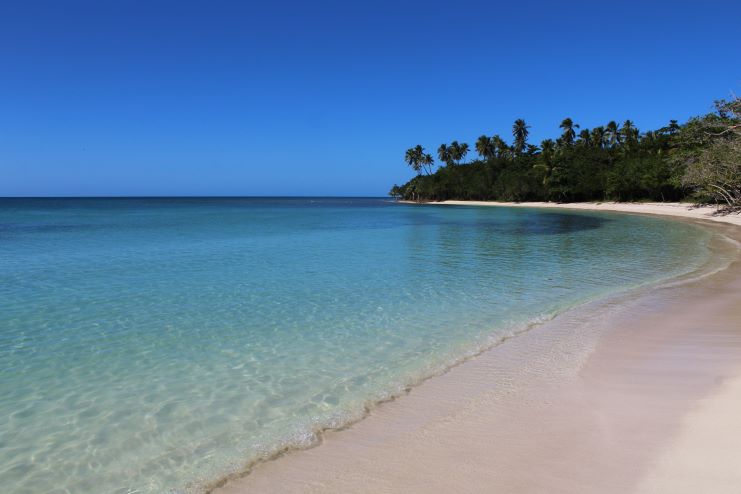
{"x": 485, "y": 422}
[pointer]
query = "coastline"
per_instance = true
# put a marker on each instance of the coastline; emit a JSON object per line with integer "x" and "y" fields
{"x": 610, "y": 397}
{"x": 674, "y": 209}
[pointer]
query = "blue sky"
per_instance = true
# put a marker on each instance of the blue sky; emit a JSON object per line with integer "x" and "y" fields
{"x": 322, "y": 98}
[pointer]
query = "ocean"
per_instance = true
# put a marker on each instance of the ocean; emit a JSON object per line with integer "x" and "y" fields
{"x": 152, "y": 345}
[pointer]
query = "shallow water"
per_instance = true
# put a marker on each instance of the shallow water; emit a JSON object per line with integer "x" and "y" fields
{"x": 152, "y": 345}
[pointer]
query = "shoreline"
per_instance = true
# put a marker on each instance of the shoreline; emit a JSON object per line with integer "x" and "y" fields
{"x": 673, "y": 209}
{"x": 416, "y": 444}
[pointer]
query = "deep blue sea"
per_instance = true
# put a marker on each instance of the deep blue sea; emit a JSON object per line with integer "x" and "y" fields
{"x": 155, "y": 345}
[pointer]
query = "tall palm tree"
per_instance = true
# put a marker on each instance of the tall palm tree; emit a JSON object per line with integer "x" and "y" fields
{"x": 443, "y": 152}
{"x": 457, "y": 151}
{"x": 484, "y": 147}
{"x": 520, "y": 133}
{"x": 462, "y": 151}
{"x": 427, "y": 162}
{"x": 569, "y": 133}
{"x": 545, "y": 165}
{"x": 418, "y": 159}
{"x": 412, "y": 159}
{"x": 500, "y": 147}
{"x": 613, "y": 133}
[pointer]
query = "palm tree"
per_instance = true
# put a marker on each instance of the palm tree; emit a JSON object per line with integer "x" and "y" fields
{"x": 462, "y": 151}
{"x": 629, "y": 131}
{"x": 585, "y": 138}
{"x": 598, "y": 137}
{"x": 443, "y": 152}
{"x": 485, "y": 147}
{"x": 500, "y": 147}
{"x": 670, "y": 129}
{"x": 568, "y": 131}
{"x": 520, "y": 132}
{"x": 418, "y": 159}
{"x": 427, "y": 162}
{"x": 613, "y": 133}
{"x": 457, "y": 151}
{"x": 548, "y": 148}
{"x": 412, "y": 159}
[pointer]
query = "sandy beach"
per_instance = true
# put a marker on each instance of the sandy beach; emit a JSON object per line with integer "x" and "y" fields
{"x": 681, "y": 210}
{"x": 636, "y": 393}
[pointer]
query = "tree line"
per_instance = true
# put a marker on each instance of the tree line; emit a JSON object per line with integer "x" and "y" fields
{"x": 698, "y": 160}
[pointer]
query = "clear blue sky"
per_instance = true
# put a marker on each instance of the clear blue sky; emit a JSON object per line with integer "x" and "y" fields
{"x": 322, "y": 98}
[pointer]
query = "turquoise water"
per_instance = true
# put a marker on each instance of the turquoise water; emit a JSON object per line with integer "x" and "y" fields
{"x": 154, "y": 345}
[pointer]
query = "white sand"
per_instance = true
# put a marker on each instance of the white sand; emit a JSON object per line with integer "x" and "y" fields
{"x": 658, "y": 208}
{"x": 705, "y": 456}
{"x": 636, "y": 394}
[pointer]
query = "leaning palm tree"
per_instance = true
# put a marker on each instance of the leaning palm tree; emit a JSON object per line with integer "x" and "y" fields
{"x": 520, "y": 133}
{"x": 427, "y": 162}
{"x": 569, "y": 133}
{"x": 484, "y": 147}
{"x": 418, "y": 159}
{"x": 412, "y": 159}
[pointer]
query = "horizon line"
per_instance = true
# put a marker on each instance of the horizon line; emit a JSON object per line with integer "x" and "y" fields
{"x": 200, "y": 197}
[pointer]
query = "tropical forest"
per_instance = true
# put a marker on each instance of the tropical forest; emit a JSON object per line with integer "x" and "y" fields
{"x": 699, "y": 160}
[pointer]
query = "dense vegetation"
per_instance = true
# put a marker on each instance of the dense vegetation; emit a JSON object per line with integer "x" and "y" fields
{"x": 698, "y": 160}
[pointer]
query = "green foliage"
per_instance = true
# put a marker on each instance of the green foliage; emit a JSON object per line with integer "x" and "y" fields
{"x": 520, "y": 131}
{"x": 418, "y": 160}
{"x": 709, "y": 150}
{"x": 610, "y": 162}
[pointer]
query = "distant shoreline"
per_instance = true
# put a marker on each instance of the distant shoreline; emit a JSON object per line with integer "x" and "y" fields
{"x": 682, "y": 210}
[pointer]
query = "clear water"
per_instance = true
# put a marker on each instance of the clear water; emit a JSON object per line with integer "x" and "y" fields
{"x": 152, "y": 345}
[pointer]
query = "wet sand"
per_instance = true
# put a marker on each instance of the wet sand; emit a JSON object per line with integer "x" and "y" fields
{"x": 636, "y": 393}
